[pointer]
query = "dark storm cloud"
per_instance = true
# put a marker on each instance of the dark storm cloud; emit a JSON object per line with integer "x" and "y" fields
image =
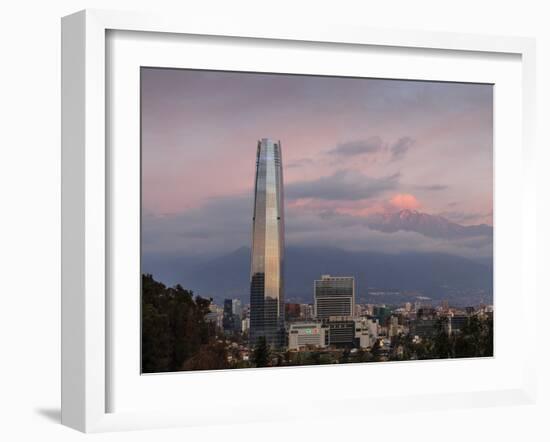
{"x": 358, "y": 147}
{"x": 342, "y": 185}
{"x": 401, "y": 147}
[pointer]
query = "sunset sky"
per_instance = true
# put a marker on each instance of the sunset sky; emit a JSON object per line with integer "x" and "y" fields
{"x": 351, "y": 148}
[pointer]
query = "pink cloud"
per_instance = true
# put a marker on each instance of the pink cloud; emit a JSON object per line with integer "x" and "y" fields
{"x": 405, "y": 201}
{"x": 361, "y": 208}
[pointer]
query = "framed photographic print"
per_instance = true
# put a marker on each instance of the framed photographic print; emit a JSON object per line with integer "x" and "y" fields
{"x": 259, "y": 210}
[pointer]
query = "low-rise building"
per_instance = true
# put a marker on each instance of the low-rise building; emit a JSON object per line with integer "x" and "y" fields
{"x": 306, "y": 311}
{"x": 292, "y": 311}
{"x": 347, "y": 331}
{"x": 394, "y": 329}
{"x": 245, "y": 325}
{"x": 215, "y": 315}
{"x": 424, "y": 327}
{"x": 307, "y": 334}
{"x": 457, "y": 323}
{"x": 341, "y": 330}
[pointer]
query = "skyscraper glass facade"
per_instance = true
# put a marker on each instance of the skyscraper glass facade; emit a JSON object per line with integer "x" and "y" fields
{"x": 266, "y": 275}
{"x": 334, "y": 296}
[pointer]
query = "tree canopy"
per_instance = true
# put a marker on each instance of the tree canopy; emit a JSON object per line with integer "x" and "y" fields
{"x": 261, "y": 353}
{"x": 174, "y": 330}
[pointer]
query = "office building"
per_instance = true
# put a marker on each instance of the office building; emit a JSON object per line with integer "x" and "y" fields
{"x": 306, "y": 311}
{"x": 215, "y": 316}
{"x": 334, "y": 296}
{"x": 351, "y": 332}
{"x": 393, "y": 327}
{"x": 228, "y": 319}
{"x": 382, "y": 313}
{"x": 424, "y": 327}
{"x": 267, "y": 315}
{"x": 341, "y": 331}
{"x": 237, "y": 307}
{"x": 456, "y": 323}
{"x": 366, "y": 332}
{"x": 245, "y": 325}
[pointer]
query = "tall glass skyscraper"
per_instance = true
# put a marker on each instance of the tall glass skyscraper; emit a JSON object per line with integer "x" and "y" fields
{"x": 267, "y": 313}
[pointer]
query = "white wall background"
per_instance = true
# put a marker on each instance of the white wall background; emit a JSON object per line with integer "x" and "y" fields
{"x": 30, "y": 214}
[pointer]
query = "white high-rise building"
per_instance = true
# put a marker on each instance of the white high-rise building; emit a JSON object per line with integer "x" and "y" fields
{"x": 237, "y": 307}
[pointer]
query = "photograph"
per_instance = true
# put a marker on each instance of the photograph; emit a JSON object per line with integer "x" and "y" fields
{"x": 297, "y": 219}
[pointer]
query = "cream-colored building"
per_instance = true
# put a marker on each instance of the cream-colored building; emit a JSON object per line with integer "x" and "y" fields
{"x": 307, "y": 334}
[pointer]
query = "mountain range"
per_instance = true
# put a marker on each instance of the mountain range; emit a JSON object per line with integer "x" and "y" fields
{"x": 436, "y": 275}
{"x": 433, "y": 226}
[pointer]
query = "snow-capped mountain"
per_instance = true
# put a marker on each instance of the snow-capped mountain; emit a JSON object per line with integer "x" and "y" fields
{"x": 433, "y": 226}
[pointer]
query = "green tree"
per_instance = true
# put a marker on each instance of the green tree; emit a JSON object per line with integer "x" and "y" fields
{"x": 363, "y": 356}
{"x": 210, "y": 357}
{"x": 475, "y": 339}
{"x": 487, "y": 342}
{"x": 314, "y": 358}
{"x": 443, "y": 345}
{"x": 377, "y": 350}
{"x": 174, "y": 328}
{"x": 288, "y": 357}
{"x": 261, "y": 353}
{"x": 345, "y": 356}
{"x": 156, "y": 343}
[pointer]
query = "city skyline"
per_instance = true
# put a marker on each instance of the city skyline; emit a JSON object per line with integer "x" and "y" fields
{"x": 356, "y": 150}
{"x": 382, "y": 223}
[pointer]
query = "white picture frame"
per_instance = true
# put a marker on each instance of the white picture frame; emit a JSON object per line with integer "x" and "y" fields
{"x": 86, "y": 205}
